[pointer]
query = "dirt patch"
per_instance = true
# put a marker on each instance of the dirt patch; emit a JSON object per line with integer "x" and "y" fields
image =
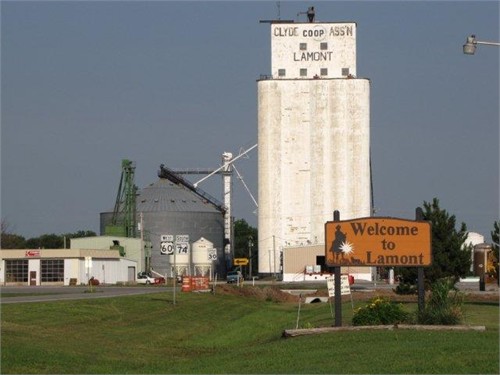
{"x": 275, "y": 294}
{"x": 265, "y": 293}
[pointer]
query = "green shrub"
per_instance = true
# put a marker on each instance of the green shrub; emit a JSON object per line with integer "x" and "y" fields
{"x": 444, "y": 305}
{"x": 406, "y": 288}
{"x": 379, "y": 311}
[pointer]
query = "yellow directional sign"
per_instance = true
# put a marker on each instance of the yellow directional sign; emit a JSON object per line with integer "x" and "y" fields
{"x": 240, "y": 261}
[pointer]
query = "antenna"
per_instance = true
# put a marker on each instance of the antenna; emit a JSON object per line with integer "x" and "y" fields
{"x": 278, "y": 20}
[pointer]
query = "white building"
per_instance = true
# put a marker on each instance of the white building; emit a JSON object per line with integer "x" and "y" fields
{"x": 64, "y": 266}
{"x": 313, "y": 136}
{"x": 473, "y": 239}
{"x": 109, "y": 259}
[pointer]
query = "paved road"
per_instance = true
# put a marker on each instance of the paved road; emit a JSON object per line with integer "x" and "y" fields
{"x": 58, "y": 293}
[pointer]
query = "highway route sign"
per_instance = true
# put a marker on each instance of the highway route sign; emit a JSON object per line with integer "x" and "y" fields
{"x": 167, "y": 238}
{"x": 166, "y": 248}
{"x": 212, "y": 254}
{"x": 182, "y": 247}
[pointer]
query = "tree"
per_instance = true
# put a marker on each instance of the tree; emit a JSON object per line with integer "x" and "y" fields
{"x": 79, "y": 234}
{"x": 56, "y": 241}
{"x": 46, "y": 241}
{"x": 10, "y": 240}
{"x": 496, "y": 246}
{"x": 451, "y": 258}
{"x": 495, "y": 238}
{"x": 245, "y": 237}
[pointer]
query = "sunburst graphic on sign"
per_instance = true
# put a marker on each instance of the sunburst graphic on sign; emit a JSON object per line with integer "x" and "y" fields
{"x": 347, "y": 248}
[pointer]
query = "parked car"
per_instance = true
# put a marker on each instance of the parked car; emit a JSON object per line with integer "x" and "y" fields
{"x": 145, "y": 278}
{"x": 234, "y": 277}
{"x": 160, "y": 280}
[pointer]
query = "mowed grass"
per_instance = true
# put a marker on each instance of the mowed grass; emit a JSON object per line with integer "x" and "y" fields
{"x": 215, "y": 334}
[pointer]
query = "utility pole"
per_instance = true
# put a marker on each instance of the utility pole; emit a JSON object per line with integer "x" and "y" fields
{"x": 274, "y": 253}
{"x": 143, "y": 251}
{"x": 250, "y": 245}
{"x": 175, "y": 268}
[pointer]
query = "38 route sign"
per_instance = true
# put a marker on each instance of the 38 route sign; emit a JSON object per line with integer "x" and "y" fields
{"x": 379, "y": 241}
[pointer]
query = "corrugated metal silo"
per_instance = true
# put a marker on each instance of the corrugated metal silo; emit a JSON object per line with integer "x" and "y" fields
{"x": 172, "y": 207}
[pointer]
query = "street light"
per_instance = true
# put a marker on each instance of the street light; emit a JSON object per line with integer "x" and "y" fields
{"x": 470, "y": 44}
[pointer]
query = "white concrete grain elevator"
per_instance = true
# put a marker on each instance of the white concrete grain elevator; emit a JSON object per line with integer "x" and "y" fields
{"x": 313, "y": 136}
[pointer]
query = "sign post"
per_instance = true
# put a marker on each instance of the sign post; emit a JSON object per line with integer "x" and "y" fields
{"x": 419, "y": 216}
{"x": 167, "y": 248}
{"x": 337, "y": 275}
{"x": 175, "y": 266}
{"x": 88, "y": 267}
{"x": 181, "y": 246}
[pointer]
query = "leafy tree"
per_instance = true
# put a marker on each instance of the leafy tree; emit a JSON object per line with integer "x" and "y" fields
{"x": 79, "y": 234}
{"x": 496, "y": 246}
{"x": 46, "y": 241}
{"x": 495, "y": 238}
{"x": 244, "y": 234}
{"x": 10, "y": 240}
{"x": 451, "y": 258}
{"x": 56, "y": 241}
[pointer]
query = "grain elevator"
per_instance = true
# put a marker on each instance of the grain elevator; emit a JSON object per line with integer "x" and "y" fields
{"x": 313, "y": 136}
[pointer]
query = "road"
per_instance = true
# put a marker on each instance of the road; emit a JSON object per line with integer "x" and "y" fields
{"x": 59, "y": 293}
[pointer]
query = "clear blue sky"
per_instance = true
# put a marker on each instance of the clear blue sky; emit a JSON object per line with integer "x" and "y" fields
{"x": 86, "y": 84}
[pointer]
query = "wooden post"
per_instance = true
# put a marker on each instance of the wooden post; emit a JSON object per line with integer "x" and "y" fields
{"x": 338, "y": 295}
{"x": 419, "y": 216}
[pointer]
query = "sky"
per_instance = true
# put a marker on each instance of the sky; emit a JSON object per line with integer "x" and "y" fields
{"x": 87, "y": 84}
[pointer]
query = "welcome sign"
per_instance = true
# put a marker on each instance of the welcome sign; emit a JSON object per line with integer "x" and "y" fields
{"x": 378, "y": 242}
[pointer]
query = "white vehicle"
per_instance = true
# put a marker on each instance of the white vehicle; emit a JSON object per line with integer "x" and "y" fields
{"x": 144, "y": 278}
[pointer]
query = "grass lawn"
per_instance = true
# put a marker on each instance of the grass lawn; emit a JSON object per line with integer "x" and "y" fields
{"x": 223, "y": 333}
